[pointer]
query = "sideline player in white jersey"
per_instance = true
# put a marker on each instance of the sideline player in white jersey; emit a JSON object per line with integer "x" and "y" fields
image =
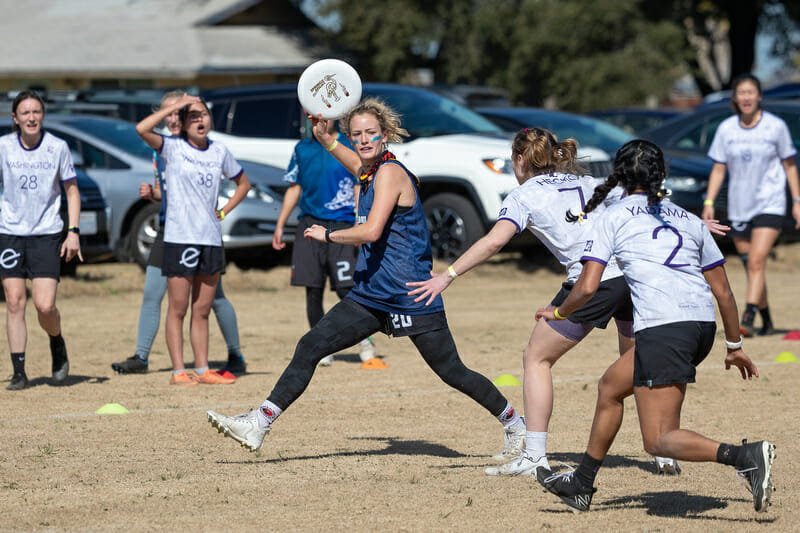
{"x": 756, "y": 148}
{"x": 549, "y": 186}
{"x": 675, "y": 271}
{"x": 193, "y": 258}
{"x": 32, "y": 163}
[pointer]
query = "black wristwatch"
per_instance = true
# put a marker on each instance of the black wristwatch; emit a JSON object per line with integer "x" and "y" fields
{"x": 75, "y": 229}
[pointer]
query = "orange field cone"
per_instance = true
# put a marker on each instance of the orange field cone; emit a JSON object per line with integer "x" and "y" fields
{"x": 793, "y": 335}
{"x": 375, "y": 363}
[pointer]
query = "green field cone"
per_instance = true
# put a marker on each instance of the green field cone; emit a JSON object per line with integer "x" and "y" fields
{"x": 507, "y": 380}
{"x": 112, "y": 409}
{"x": 786, "y": 357}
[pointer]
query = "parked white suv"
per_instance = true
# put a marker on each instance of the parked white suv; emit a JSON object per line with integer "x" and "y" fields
{"x": 462, "y": 159}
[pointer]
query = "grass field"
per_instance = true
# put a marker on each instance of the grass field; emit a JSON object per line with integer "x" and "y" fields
{"x": 367, "y": 450}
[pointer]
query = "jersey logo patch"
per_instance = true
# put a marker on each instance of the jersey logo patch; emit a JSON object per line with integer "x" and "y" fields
{"x": 190, "y": 257}
{"x": 588, "y": 247}
{"x": 502, "y": 212}
{"x": 9, "y": 258}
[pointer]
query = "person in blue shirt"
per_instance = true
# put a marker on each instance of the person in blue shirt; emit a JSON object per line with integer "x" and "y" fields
{"x": 394, "y": 248}
{"x": 325, "y": 191}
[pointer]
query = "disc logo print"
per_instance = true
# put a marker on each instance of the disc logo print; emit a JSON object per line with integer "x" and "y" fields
{"x": 190, "y": 257}
{"x": 9, "y": 258}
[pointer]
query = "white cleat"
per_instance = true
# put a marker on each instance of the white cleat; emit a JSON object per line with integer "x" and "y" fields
{"x": 366, "y": 350}
{"x": 514, "y": 443}
{"x": 326, "y": 361}
{"x": 243, "y": 428}
{"x": 521, "y": 466}
{"x": 667, "y": 466}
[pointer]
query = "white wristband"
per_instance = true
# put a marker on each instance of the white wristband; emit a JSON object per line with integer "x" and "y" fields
{"x": 733, "y": 345}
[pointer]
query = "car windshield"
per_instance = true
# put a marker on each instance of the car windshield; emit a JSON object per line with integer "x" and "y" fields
{"x": 118, "y": 133}
{"x": 587, "y": 131}
{"x": 426, "y": 114}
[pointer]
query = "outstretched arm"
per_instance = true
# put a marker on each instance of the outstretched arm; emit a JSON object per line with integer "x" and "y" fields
{"x": 483, "y": 249}
{"x": 581, "y": 292}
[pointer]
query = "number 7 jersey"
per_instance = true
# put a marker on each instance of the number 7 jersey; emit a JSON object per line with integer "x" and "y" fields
{"x": 663, "y": 251}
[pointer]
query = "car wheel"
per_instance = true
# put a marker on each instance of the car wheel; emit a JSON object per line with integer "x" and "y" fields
{"x": 143, "y": 233}
{"x": 454, "y": 224}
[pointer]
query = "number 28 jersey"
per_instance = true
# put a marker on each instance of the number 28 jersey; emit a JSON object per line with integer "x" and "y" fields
{"x": 663, "y": 251}
{"x": 193, "y": 177}
{"x": 31, "y": 194}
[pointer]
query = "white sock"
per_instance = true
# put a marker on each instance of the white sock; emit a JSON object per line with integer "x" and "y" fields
{"x": 200, "y": 370}
{"x": 267, "y": 413}
{"x": 509, "y": 417}
{"x": 536, "y": 444}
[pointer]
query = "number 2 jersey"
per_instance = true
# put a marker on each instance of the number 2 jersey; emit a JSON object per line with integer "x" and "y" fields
{"x": 663, "y": 251}
{"x": 194, "y": 176}
{"x": 541, "y": 204}
{"x": 31, "y": 192}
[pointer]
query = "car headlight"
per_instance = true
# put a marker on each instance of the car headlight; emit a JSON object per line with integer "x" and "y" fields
{"x": 499, "y": 165}
{"x": 683, "y": 183}
{"x": 228, "y": 188}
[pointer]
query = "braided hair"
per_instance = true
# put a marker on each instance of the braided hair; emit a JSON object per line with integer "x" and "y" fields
{"x": 542, "y": 152}
{"x": 639, "y": 164}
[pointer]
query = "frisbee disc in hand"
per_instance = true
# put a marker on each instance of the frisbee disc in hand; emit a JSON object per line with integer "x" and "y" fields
{"x": 329, "y": 87}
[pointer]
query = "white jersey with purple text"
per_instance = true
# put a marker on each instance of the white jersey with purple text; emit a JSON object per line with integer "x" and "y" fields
{"x": 754, "y": 158}
{"x": 31, "y": 192}
{"x": 663, "y": 251}
{"x": 541, "y": 203}
{"x": 194, "y": 178}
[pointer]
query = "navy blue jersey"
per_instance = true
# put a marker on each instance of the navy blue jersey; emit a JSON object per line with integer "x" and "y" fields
{"x": 401, "y": 254}
{"x": 159, "y": 164}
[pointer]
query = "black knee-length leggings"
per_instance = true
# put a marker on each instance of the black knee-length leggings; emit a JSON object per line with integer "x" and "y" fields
{"x": 346, "y": 324}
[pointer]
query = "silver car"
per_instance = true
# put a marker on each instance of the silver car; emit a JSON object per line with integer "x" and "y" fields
{"x": 114, "y": 156}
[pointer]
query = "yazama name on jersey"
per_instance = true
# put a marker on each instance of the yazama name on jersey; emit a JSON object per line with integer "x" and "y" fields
{"x": 671, "y": 211}
{"x": 31, "y": 165}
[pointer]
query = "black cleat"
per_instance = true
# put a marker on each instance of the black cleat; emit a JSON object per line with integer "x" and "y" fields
{"x": 60, "y": 362}
{"x": 758, "y": 474}
{"x": 235, "y": 365}
{"x": 132, "y": 365}
{"x": 746, "y": 327}
{"x": 767, "y": 329}
{"x": 18, "y": 382}
{"x": 567, "y": 487}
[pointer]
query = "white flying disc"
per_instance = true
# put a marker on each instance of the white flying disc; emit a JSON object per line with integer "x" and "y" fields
{"x": 329, "y": 87}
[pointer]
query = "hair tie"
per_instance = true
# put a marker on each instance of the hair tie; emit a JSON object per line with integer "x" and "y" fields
{"x": 582, "y": 217}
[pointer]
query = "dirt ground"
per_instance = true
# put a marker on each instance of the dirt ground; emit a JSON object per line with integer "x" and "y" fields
{"x": 367, "y": 450}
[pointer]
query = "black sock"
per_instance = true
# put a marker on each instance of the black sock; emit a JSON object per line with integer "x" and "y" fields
{"x": 765, "y": 315}
{"x": 58, "y": 348}
{"x": 235, "y": 356}
{"x": 729, "y": 454}
{"x": 749, "y": 313}
{"x": 587, "y": 470}
{"x": 18, "y": 362}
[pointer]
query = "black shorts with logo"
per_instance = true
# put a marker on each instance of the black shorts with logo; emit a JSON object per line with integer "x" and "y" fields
{"x": 612, "y": 300}
{"x": 743, "y": 229}
{"x": 187, "y": 260}
{"x": 29, "y": 257}
{"x": 670, "y": 353}
{"x": 314, "y": 261}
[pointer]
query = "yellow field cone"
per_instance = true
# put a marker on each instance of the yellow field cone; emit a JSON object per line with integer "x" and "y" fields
{"x": 507, "y": 380}
{"x": 112, "y": 409}
{"x": 786, "y": 357}
{"x": 375, "y": 363}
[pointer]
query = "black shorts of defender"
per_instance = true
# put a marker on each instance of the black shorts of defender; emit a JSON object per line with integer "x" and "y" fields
{"x": 314, "y": 261}
{"x": 670, "y": 353}
{"x": 744, "y": 229}
{"x": 612, "y": 300}
{"x": 188, "y": 260}
{"x": 29, "y": 257}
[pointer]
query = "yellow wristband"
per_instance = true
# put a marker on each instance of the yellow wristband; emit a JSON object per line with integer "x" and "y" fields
{"x": 334, "y": 145}
{"x": 708, "y": 202}
{"x": 557, "y": 315}
{"x": 452, "y": 272}
{"x": 221, "y": 215}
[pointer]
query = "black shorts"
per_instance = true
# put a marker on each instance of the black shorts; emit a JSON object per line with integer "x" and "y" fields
{"x": 314, "y": 261}
{"x": 156, "y": 258}
{"x": 742, "y": 230}
{"x": 188, "y": 260}
{"x": 398, "y": 325}
{"x": 612, "y": 300}
{"x": 670, "y": 353}
{"x": 29, "y": 257}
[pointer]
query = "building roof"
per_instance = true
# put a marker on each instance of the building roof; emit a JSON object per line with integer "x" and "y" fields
{"x": 150, "y": 38}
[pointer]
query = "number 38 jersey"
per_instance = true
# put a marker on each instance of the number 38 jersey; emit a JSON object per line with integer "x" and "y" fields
{"x": 193, "y": 177}
{"x": 663, "y": 251}
{"x": 31, "y": 193}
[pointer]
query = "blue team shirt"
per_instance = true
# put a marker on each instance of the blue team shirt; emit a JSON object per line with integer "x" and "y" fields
{"x": 327, "y": 185}
{"x": 401, "y": 254}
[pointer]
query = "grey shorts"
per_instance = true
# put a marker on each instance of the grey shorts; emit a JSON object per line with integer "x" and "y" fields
{"x": 314, "y": 261}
